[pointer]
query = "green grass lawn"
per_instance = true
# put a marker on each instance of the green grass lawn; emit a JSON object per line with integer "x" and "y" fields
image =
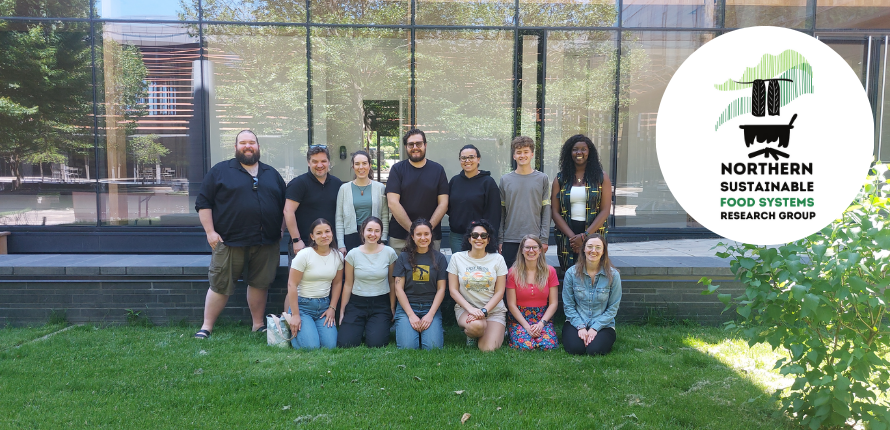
{"x": 138, "y": 377}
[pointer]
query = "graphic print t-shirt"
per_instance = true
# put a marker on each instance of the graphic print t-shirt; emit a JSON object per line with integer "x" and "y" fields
{"x": 477, "y": 276}
{"x": 421, "y": 282}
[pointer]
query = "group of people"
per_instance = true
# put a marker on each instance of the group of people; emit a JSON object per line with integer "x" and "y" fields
{"x": 365, "y": 256}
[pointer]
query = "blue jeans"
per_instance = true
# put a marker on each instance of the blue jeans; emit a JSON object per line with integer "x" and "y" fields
{"x": 408, "y": 338}
{"x": 313, "y": 333}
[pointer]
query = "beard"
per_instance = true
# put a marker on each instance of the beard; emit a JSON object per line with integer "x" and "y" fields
{"x": 417, "y": 158}
{"x": 247, "y": 160}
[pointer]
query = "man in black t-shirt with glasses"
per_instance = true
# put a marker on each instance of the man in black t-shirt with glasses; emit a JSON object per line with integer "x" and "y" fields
{"x": 416, "y": 188}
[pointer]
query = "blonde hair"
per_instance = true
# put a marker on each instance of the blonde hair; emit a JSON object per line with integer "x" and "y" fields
{"x": 542, "y": 270}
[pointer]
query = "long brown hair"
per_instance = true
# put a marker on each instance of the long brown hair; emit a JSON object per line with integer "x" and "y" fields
{"x": 411, "y": 246}
{"x": 333, "y": 245}
{"x": 605, "y": 263}
{"x": 542, "y": 271}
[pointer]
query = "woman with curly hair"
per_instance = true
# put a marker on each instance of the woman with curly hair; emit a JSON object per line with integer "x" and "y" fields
{"x": 476, "y": 280}
{"x": 532, "y": 298}
{"x": 420, "y": 279}
{"x": 581, "y": 198}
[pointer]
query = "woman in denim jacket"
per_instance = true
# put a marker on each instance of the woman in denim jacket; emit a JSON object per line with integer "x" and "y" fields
{"x": 591, "y": 303}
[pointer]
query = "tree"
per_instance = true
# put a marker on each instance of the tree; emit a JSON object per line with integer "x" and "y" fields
{"x": 145, "y": 150}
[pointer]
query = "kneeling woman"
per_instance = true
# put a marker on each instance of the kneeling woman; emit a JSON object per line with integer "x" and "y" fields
{"x": 420, "y": 279}
{"x": 591, "y": 292}
{"x": 476, "y": 280}
{"x": 313, "y": 289}
{"x": 532, "y": 298}
{"x": 368, "y": 297}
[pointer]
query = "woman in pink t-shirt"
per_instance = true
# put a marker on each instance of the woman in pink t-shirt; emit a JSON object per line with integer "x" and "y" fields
{"x": 532, "y": 298}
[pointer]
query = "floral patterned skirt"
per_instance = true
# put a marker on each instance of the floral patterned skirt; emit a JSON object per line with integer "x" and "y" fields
{"x": 521, "y": 339}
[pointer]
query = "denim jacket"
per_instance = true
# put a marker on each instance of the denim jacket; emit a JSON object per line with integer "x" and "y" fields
{"x": 591, "y": 304}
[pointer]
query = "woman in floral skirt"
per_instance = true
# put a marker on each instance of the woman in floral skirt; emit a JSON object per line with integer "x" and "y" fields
{"x": 532, "y": 298}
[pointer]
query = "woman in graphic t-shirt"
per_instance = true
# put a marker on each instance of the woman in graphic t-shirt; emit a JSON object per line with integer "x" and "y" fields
{"x": 368, "y": 298}
{"x": 420, "y": 279}
{"x": 476, "y": 280}
{"x": 532, "y": 298}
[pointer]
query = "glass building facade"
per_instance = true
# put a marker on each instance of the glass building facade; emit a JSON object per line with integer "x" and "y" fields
{"x": 112, "y": 111}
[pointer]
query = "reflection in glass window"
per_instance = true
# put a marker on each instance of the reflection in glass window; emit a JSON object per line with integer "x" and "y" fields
{"x": 642, "y": 198}
{"x": 151, "y": 145}
{"x": 46, "y": 114}
{"x": 361, "y": 11}
{"x": 862, "y": 14}
{"x": 581, "y": 91}
{"x": 45, "y": 8}
{"x": 465, "y": 12}
{"x": 256, "y": 79}
{"x": 781, "y": 13}
{"x": 154, "y": 9}
{"x": 361, "y": 81}
{"x": 669, "y": 13}
{"x": 249, "y": 10}
{"x": 464, "y": 96}
{"x": 560, "y": 13}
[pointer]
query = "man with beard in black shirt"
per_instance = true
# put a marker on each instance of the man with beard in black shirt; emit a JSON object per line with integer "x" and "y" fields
{"x": 241, "y": 206}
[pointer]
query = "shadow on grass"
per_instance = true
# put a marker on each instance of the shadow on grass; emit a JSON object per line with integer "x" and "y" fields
{"x": 656, "y": 377}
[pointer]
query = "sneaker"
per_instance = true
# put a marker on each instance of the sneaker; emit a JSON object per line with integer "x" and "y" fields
{"x": 471, "y": 341}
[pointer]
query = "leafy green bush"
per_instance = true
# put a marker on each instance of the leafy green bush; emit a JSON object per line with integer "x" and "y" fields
{"x": 824, "y": 299}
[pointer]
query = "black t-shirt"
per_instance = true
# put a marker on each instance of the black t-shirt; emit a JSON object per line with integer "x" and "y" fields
{"x": 316, "y": 200}
{"x": 420, "y": 284}
{"x": 242, "y": 215}
{"x": 419, "y": 191}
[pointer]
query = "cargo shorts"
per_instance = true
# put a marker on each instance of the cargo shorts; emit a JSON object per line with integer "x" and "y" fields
{"x": 227, "y": 263}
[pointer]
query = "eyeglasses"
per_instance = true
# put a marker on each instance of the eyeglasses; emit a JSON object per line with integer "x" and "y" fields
{"x": 476, "y": 235}
{"x": 595, "y": 248}
{"x": 415, "y": 144}
{"x": 467, "y": 158}
{"x": 531, "y": 248}
{"x": 256, "y": 181}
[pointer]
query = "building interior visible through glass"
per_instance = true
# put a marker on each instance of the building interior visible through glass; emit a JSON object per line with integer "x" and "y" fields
{"x": 115, "y": 123}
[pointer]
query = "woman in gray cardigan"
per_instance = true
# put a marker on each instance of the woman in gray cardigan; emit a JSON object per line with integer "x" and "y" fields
{"x": 357, "y": 200}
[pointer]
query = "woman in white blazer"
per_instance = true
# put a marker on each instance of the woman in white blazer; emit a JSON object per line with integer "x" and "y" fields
{"x": 358, "y": 200}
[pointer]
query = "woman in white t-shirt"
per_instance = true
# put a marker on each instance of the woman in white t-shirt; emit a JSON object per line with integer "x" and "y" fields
{"x": 476, "y": 280}
{"x": 368, "y": 296}
{"x": 313, "y": 289}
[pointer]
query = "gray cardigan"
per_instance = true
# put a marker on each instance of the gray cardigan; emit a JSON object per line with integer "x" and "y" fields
{"x": 345, "y": 223}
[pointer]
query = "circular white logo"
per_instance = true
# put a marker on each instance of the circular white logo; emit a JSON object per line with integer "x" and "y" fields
{"x": 764, "y": 135}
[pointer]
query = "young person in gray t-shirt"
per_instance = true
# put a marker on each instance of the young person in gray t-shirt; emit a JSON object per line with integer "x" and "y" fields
{"x": 525, "y": 201}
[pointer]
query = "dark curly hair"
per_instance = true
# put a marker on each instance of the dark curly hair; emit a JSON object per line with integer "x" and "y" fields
{"x": 492, "y": 247}
{"x": 411, "y": 246}
{"x": 593, "y": 172}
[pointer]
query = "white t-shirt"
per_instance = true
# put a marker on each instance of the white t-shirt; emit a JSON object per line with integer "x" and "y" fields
{"x": 371, "y": 271}
{"x": 478, "y": 276}
{"x": 318, "y": 272}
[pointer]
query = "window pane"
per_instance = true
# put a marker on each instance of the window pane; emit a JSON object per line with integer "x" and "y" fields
{"x": 669, "y": 13}
{"x": 361, "y": 80}
{"x": 882, "y": 119}
{"x": 47, "y": 152}
{"x": 258, "y": 82}
{"x": 781, "y": 13}
{"x": 853, "y": 14}
{"x": 642, "y": 196}
{"x": 252, "y": 11}
{"x": 361, "y": 11}
{"x": 465, "y": 12}
{"x": 464, "y": 96}
{"x": 45, "y": 8}
{"x": 587, "y": 13}
{"x": 154, "y": 9}
{"x": 581, "y": 91}
{"x": 151, "y": 143}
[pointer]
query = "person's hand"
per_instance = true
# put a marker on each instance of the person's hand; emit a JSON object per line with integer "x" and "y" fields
{"x": 544, "y": 248}
{"x": 426, "y": 321}
{"x": 298, "y": 246}
{"x": 590, "y": 335}
{"x": 294, "y": 322}
{"x": 392, "y": 311}
{"x": 576, "y": 242}
{"x": 500, "y": 248}
{"x": 535, "y": 329}
{"x": 329, "y": 317}
{"x": 343, "y": 251}
{"x": 582, "y": 333}
{"x": 415, "y": 323}
{"x": 213, "y": 239}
